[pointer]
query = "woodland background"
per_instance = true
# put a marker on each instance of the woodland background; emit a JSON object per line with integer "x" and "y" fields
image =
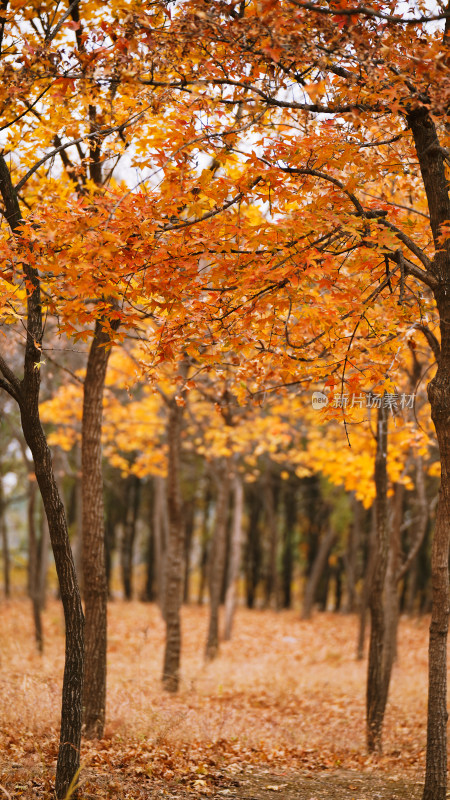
{"x": 210, "y": 212}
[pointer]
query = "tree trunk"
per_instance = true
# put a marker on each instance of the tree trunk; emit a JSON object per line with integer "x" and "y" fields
{"x": 34, "y": 566}
{"x": 93, "y": 545}
{"x": 204, "y": 545}
{"x": 270, "y": 498}
{"x": 113, "y": 517}
{"x": 337, "y": 574}
{"x": 431, "y": 157}
{"x": 149, "y": 593}
{"x": 189, "y": 516}
{"x": 5, "y": 546}
{"x": 351, "y": 555}
{"x": 370, "y": 564}
{"x": 43, "y": 559}
{"x": 375, "y": 701}
{"x": 436, "y": 760}
{"x": 416, "y": 540}
{"x": 175, "y": 553}
{"x": 290, "y": 512}
{"x": 391, "y": 598}
{"x": 26, "y": 394}
{"x": 235, "y": 556}
{"x": 320, "y": 562}
{"x": 129, "y": 533}
{"x": 217, "y": 560}
{"x": 68, "y": 763}
{"x": 78, "y": 544}
{"x": 161, "y": 534}
{"x": 253, "y": 547}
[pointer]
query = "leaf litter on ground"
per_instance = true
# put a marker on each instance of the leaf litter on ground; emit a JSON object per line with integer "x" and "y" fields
{"x": 280, "y": 713}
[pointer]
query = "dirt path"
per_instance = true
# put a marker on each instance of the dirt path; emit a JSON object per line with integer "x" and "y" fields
{"x": 340, "y": 785}
{"x": 258, "y": 784}
{"x": 238, "y": 783}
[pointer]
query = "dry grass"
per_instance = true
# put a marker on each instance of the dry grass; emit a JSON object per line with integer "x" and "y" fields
{"x": 284, "y": 692}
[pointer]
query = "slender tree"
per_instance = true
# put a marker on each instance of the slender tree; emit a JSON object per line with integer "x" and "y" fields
{"x": 217, "y": 557}
{"x": 25, "y": 392}
{"x": 174, "y": 562}
{"x": 235, "y": 555}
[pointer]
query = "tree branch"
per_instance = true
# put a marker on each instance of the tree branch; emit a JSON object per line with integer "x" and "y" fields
{"x": 61, "y": 22}
{"x": 318, "y": 108}
{"x": 102, "y": 134}
{"x": 431, "y": 339}
{"x": 214, "y": 212}
{"x": 368, "y": 11}
{"x": 418, "y": 252}
{"x": 412, "y": 269}
{"x": 3, "y": 10}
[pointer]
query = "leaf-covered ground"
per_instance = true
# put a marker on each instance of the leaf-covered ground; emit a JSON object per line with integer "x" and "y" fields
{"x": 280, "y": 713}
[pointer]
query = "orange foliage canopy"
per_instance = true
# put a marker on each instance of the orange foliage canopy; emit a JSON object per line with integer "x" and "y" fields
{"x": 278, "y": 216}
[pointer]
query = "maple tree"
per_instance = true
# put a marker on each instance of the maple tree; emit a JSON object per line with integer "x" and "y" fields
{"x": 304, "y": 267}
{"x": 52, "y": 61}
{"x": 345, "y": 94}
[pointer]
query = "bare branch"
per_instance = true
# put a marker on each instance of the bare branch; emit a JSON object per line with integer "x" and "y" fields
{"x": 10, "y": 383}
{"x": 380, "y": 142}
{"x": 412, "y": 269}
{"x": 431, "y": 339}
{"x": 418, "y": 252}
{"x": 368, "y": 11}
{"x": 102, "y": 133}
{"x": 185, "y": 83}
{"x": 29, "y": 106}
{"x": 61, "y": 22}
{"x": 3, "y": 10}
{"x": 395, "y": 205}
{"x": 315, "y": 173}
{"x": 214, "y": 212}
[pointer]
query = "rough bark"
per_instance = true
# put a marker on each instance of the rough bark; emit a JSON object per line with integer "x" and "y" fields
{"x": 391, "y": 598}
{"x": 320, "y": 562}
{"x": 70, "y": 733}
{"x": 78, "y": 544}
{"x": 436, "y": 765}
{"x": 175, "y": 552}
{"x": 431, "y": 158}
{"x": 5, "y": 545}
{"x": 235, "y": 556}
{"x": 217, "y": 560}
{"x": 43, "y": 559}
{"x": 370, "y": 564}
{"x": 93, "y": 544}
{"x": 375, "y": 702}
{"x": 34, "y": 566}
{"x": 439, "y": 397}
{"x": 26, "y": 393}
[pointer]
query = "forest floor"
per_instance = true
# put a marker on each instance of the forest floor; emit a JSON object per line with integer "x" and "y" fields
{"x": 279, "y": 714}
